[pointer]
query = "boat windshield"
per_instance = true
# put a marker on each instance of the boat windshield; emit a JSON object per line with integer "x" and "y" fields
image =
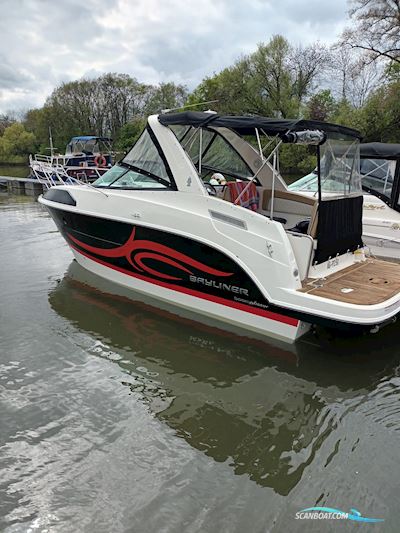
{"x": 141, "y": 168}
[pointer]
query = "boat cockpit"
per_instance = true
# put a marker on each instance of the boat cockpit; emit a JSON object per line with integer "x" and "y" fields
{"x": 246, "y": 150}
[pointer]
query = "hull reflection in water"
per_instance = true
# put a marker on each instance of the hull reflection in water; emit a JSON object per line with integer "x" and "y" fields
{"x": 264, "y": 407}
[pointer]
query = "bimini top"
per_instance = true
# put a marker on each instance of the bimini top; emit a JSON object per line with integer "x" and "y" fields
{"x": 380, "y": 151}
{"x": 246, "y": 125}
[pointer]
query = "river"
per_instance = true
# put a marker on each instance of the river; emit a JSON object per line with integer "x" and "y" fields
{"x": 117, "y": 416}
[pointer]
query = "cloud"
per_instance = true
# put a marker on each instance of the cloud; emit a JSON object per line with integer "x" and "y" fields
{"x": 45, "y": 43}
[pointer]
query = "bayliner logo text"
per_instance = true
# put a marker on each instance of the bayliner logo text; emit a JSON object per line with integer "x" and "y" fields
{"x": 218, "y": 285}
{"x": 328, "y": 513}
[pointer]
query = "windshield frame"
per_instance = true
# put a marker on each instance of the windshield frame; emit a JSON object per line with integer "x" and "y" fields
{"x": 166, "y": 185}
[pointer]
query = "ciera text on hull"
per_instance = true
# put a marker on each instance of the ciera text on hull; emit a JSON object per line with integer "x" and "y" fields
{"x": 197, "y": 215}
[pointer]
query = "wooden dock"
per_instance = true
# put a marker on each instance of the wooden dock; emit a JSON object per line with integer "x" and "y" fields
{"x": 29, "y": 186}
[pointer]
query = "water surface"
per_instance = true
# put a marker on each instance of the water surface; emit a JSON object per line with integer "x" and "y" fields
{"x": 16, "y": 171}
{"x": 120, "y": 416}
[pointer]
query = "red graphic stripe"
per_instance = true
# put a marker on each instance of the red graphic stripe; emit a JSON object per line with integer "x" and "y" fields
{"x": 165, "y": 254}
{"x": 216, "y": 299}
{"x": 149, "y": 255}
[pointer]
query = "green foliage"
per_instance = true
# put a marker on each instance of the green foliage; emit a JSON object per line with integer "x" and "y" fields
{"x": 272, "y": 81}
{"x": 321, "y": 106}
{"x": 100, "y": 106}
{"x": 16, "y": 143}
{"x": 166, "y": 96}
{"x": 381, "y": 114}
{"x": 129, "y": 133}
{"x": 5, "y": 121}
{"x": 298, "y": 159}
{"x": 229, "y": 88}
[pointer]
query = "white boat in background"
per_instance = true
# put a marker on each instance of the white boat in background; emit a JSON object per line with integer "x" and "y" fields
{"x": 380, "y": 174}
{"x": 254, "y": 254}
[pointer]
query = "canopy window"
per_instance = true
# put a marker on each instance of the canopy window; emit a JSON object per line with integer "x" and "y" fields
{"x": 210, "y": 152}
{"x": 340, "y": 167}
{"x": 88, "y": 144}
{"x": 378, "y": 176}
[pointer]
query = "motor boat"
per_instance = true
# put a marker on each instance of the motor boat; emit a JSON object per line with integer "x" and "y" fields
{"x": 86, "y": 158}
{"x": 380, "y": 173}
{"x": 254, "y": 254}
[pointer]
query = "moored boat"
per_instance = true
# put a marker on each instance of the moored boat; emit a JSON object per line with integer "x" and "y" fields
{"x": 86, "y": 158}
{"x": 380, "y": 174}
{"x": 252, "y": 254}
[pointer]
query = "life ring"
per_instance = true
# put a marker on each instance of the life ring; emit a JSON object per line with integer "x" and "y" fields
{"x": 100, "y": 161}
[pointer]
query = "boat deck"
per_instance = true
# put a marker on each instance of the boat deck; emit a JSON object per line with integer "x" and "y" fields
{"x": 370, "y": 282}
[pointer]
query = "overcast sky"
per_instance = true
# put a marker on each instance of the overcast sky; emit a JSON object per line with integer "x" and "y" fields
{"x": 45, "y": 42}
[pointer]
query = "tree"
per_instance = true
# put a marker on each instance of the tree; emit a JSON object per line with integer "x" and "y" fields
{"x": 321, "y": 106}
{"x": 5, "y": 121}
{"x": 16, "y": 141}
{"x": 228, "y": 90}
{"x": 381, "y": 114}
{"x": 99, "y": 106}
{"x": 352, "y": 78}
{"x": 129, "y": 133}
{"x": 376, "y": 30}
{"x": 272, "y": 81}
{"x": 166, "y": 96}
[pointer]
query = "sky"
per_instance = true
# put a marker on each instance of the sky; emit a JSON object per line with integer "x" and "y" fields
{"x": 46, "y": 42}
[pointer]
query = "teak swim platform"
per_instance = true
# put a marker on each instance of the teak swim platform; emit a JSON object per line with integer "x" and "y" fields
{"x": 367, "y": 283}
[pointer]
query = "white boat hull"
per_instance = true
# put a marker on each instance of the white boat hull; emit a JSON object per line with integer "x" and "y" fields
{"x": 275, "y": 325}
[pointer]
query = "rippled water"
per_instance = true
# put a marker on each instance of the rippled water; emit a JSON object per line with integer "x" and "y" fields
{"x": 119, "y": 416}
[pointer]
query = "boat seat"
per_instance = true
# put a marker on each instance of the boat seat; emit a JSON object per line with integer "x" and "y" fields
{"x": 285, "y": 195}
{"x": 301, "y": 227}
{"x": 313, "y": 224}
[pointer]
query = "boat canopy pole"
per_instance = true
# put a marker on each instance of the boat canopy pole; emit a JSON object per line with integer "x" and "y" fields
{"x": 273, "y": 186}
{"x": 258, "y": 171}
{"x": 319, "y": 174}
{"x": 259, "y": 142}
{"x": 269, "y": 142}
{"x": 200, "y": 148}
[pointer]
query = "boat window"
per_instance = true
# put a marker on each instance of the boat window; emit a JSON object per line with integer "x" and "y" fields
{"x": 340, "y": 167}
{"x": 180, "y": 131}
{"x": 136, "y": 180}
{"x": 122, "y": 177}
{"x": 222, "y": 157}
{"x": 111, "y": 175}
{"x": 378, "y": 175}
{"x": 145, "y": 157}
{"x": 217, "y": 154}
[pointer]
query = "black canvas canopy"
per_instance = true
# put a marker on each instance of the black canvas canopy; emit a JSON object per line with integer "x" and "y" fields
{"x": 380, "y": 150}
{"x": 246, "y": 125}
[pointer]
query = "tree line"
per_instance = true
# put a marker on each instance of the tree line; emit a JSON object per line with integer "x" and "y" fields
{"x": 355, "y": 83}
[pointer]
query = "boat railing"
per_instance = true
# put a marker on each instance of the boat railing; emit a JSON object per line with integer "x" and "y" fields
{"x": 41, "y": 158}
{"x": 81, "y": 172}
{"x": 51, "y": 175}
